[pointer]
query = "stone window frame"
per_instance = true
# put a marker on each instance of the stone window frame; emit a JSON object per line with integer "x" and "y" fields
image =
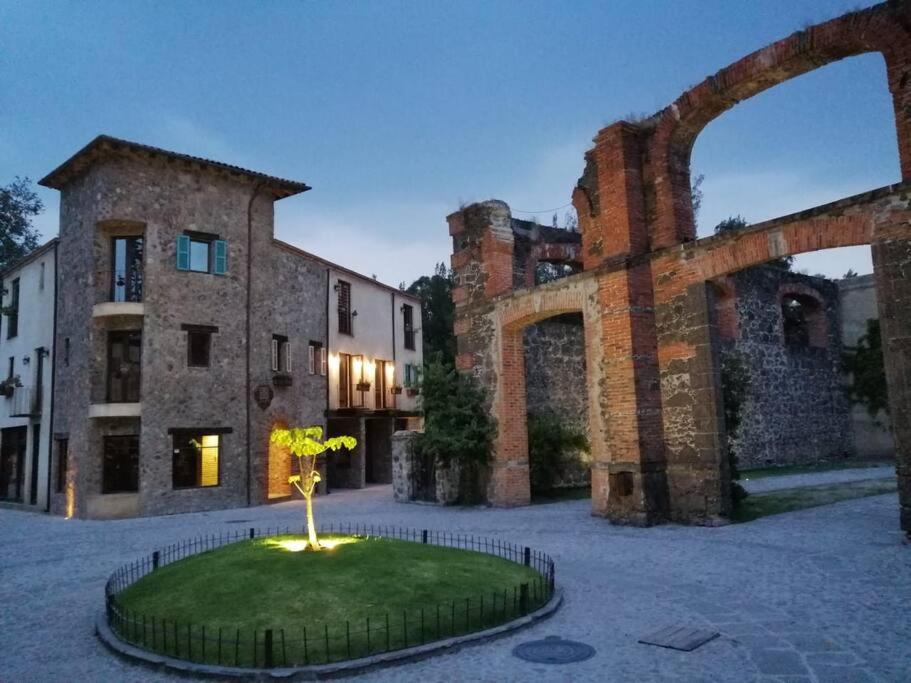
{"x": 194, "y": 329}
{"x": 178, "y": 433}
{"x": 727, "y": 319}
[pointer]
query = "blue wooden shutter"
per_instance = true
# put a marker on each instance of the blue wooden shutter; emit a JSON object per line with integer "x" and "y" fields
{"x": 183, "y": 252}
{"x": 221, "y": 257}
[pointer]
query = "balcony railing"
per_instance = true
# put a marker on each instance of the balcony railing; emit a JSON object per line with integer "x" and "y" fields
{"x": 25, "y": 402}
{"x": 126, "y": 285}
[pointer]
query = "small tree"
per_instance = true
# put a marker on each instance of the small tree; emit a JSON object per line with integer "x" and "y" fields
{"x": 456, "y": 424}
{"x": 306, "y": 443}
{"x": 550, "y": 441}
{"x": 864, "y": 363}
{"x": 18, "y": 204}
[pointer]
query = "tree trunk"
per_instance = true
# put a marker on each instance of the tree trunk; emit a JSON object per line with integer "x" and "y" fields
{"x": 311, "y": 525}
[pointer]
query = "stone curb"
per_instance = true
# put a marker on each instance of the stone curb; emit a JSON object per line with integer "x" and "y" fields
{"x": 345, "y": 668}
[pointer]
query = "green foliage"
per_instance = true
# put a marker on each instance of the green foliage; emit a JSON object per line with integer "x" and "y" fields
{"x": 550, "y": 442}
{"x": 18, "y": 204}
{"x": 308, "y": 441}
{"x": 735, "y": 223}
{"x": 864, "y": 364}
{"x": 435, "y": 292}
{"x": 456, "y": 423}
{"x": 735, "y": 381}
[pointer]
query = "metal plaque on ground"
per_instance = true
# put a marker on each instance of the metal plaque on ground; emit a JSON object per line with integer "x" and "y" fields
{"x": 685, "y": 638}
{"x": 553, "y": 650}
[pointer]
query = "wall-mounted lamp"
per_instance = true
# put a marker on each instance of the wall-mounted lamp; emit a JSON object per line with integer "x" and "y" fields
{"x": 353, "y": 314}
{"x": 26, "y": 360}
{"x": 335, "y": 287}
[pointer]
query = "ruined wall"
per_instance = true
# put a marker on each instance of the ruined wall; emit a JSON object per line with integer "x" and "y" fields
{"x": 794, "y": 410}
{"x": 555, "y": 383}
{"x": 872, "y": 434}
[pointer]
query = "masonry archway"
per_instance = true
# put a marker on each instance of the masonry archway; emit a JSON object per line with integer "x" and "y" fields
{"x": 647, "y": 287}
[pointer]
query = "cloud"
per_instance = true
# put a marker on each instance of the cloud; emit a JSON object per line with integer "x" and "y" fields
{"x": 182, "y": 134}
{"x": 397, "y": 242}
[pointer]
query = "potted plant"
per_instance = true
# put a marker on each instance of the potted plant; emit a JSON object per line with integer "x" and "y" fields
{"x": 396, "y": 389}
{"x": 8, "y": 386}
{"x": 363, "y": 386}
{"x": 414, "y": 391}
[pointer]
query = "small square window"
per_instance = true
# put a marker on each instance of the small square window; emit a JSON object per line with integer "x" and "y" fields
{"x": 198, "y": 345}
{"x": 196, "y": 459}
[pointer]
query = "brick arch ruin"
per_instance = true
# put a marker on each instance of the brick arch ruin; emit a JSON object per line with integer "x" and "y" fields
{"x": 655, "y": 414}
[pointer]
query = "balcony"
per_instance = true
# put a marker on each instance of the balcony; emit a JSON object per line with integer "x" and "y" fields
{"x": 25, "y": 402}
{"x": 125, "y": 294}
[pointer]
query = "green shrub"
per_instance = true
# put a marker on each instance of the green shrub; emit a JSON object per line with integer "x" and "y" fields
{"x": 550, "y": 441}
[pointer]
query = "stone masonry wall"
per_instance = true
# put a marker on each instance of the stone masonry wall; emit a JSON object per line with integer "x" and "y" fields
{"x": 555, "y": 383}
{"x": 795, "y": 410}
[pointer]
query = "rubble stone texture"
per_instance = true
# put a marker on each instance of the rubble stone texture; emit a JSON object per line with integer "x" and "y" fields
{"x": 655, "y": 415}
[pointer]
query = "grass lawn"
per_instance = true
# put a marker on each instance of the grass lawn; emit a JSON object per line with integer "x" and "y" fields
{"x": 758, "y": 505}
{"x": 763, "y": 472}
{"x": 560, "y": 495}
{"x": 424, "y": 591}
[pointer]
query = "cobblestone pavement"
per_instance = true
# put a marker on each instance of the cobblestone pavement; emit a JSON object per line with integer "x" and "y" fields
{"x": 816, "y": 595}
{"x": 790, "y": 481}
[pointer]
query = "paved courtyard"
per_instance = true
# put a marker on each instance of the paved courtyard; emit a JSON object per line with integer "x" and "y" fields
{"x": 816, "y": 595}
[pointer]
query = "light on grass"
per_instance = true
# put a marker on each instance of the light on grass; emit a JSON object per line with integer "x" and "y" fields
{"x": 296, "y": 545}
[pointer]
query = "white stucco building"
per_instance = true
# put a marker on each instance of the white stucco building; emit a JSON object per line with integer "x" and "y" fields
{"x": 26, "y": 392}
{"x": 374, "y": 362}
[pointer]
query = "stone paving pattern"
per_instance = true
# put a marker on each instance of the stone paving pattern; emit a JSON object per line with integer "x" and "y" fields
{"x": 815, "y": 595}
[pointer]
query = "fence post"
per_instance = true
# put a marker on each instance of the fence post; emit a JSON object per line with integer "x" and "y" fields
{"x": 156, "y": 557}
{"x": 267, "y": 655}
{"x": 523, "y": 599}
{"x": 527, "y": 556}
{"x": 424, "y": 536}
{"x": 252, "y": 531}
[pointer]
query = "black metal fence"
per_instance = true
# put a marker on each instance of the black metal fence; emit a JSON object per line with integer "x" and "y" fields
{"x": 322, "y": 643}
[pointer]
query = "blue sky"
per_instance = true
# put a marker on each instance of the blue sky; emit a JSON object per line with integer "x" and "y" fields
{"x": 398, "y": 112}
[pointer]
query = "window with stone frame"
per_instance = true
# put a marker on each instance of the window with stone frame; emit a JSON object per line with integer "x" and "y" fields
{"x": 196, "y": 461}
{"x": 199, "y": 345}
{"x": 803, "y": 321}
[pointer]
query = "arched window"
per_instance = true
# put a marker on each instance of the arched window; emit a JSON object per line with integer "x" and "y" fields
{"x": 803, "y": 319}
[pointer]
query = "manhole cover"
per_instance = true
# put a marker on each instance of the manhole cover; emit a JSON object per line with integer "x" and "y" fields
{"x": 553, "y": 650}
{"x": 236, "y": 521}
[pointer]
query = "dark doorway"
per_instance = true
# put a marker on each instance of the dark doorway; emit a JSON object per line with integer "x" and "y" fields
{"x": 121, "y": 464}
{"x": 124, "y": 362}
{"x": 378, "y": 450}
{"x": 12, "y": 462}
{"x": 36, "y": 450}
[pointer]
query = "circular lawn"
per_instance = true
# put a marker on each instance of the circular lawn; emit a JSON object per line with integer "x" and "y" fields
{"x": 271, "y": 602}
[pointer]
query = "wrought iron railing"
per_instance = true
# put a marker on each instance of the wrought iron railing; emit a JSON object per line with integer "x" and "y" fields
{"x": 323, "y": 643}
{"x": 25, "y": 402}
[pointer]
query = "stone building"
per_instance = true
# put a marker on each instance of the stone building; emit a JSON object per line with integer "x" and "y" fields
{"x": 26, "y": 399}
{"x": 185, "y": 333}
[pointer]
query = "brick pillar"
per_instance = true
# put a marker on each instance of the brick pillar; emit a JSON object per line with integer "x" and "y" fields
{"x": 629, "y": 488}
{"x": 609, "y": 199}
{"x": 698, "y": 472}
{"x": 898, "y": 72}
{"x": 668, "y": 181}
{"x": 509, "y": 479}
{"x": 892, "y": 267}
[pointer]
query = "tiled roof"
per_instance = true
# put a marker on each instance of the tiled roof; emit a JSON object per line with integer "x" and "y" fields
{"x": 105, "y": 145}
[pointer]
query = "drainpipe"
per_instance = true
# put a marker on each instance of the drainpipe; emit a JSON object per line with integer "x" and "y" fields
{"x": 328, "y": 406}
{"x": 53, "y": 357}
{"x": 249, "y": 379}
{"x": 395, "y": 407}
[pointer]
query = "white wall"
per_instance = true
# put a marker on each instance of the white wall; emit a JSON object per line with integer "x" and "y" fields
{"x": 378, "y": 318}
{"x": 36, "y": 330}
